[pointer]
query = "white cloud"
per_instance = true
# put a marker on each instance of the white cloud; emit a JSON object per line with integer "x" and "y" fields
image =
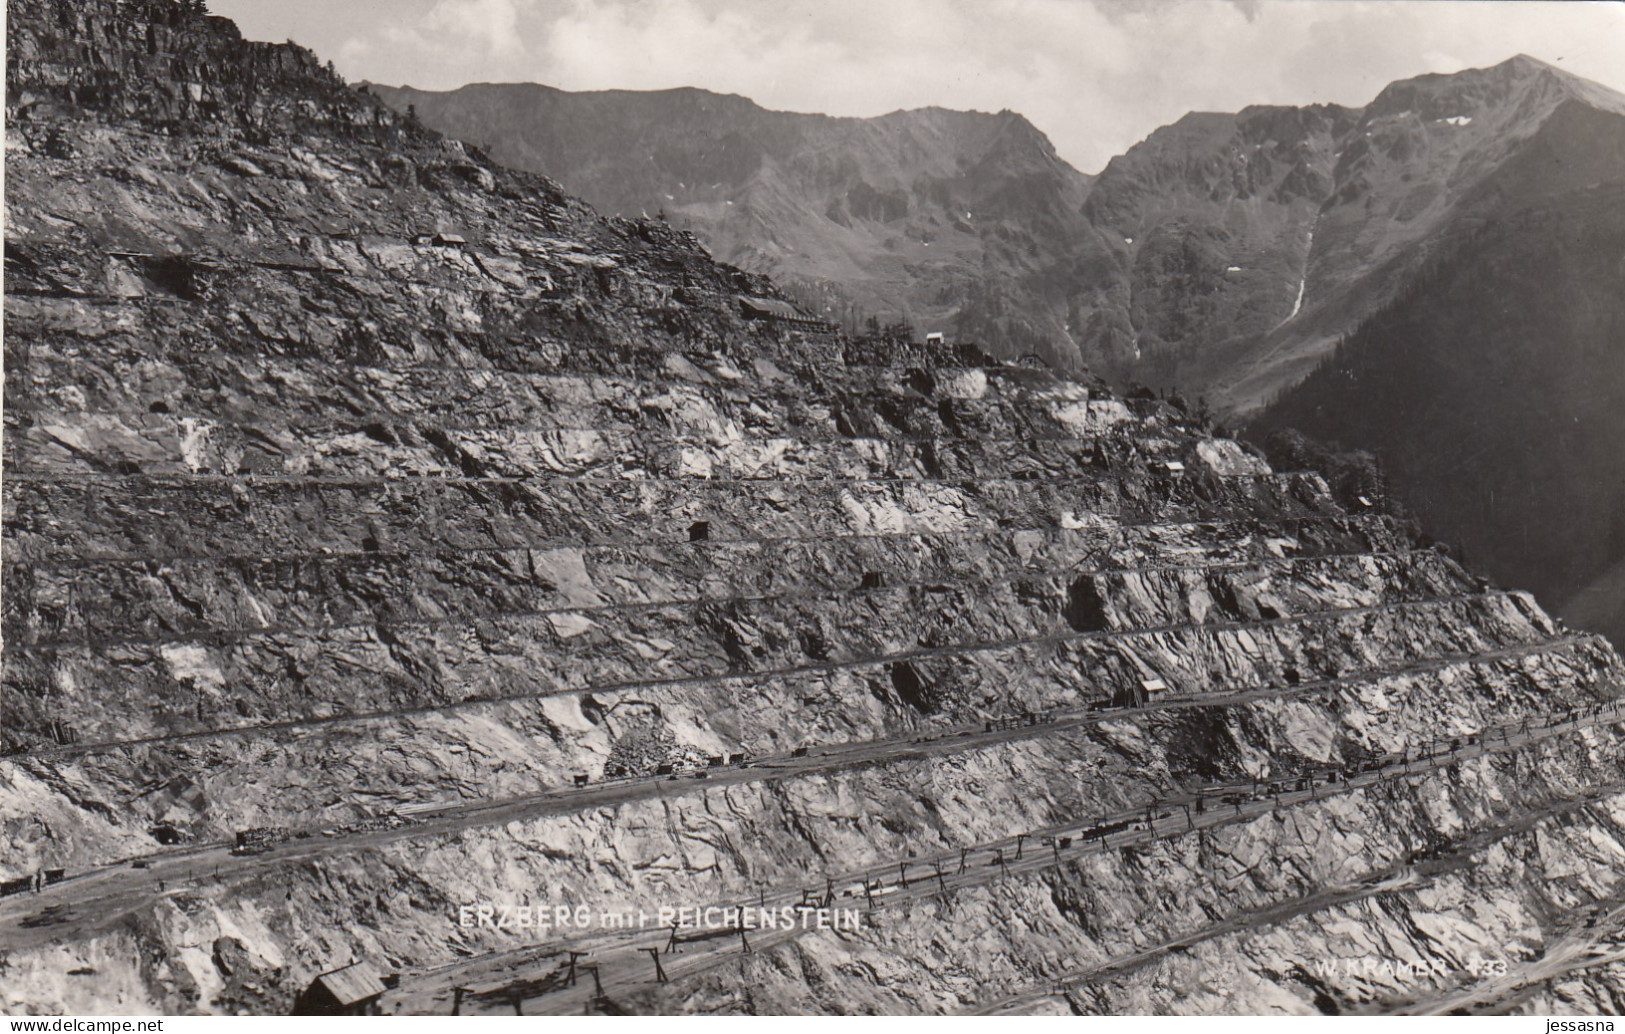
{"x": 1438, "y": 61}
{"x": 1096, "y": 75}
{"x": 451, "y": 35}
{"x": 493, "y": 24}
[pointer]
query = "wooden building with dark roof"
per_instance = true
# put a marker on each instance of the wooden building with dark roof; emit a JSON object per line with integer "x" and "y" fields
{"x": 351, "y": 991}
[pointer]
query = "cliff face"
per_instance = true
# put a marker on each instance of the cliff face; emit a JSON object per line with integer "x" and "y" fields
{"x": 1207, "y": 225}
{"x": 363, "y": 488}
{"x": 1429, "y": 164}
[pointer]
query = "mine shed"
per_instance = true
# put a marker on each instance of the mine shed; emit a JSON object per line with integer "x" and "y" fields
{"x": 351, "y": 991}
{"x": 440, "y": 239}
{"x": 1143, "y": 694}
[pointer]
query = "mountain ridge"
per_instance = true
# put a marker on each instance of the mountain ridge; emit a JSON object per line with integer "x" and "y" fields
{"x": 815, "y": 199}
{"x": 1178, "y": 296}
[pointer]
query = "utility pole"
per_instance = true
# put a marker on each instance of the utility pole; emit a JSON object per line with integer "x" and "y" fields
{"x": 1020, "y": 839}
{"x": 660, "y": 971}
{"x": 570, "y": 980}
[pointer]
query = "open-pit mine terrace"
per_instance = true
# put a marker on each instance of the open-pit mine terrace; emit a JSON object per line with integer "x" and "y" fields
{"x": 387, "y": 534}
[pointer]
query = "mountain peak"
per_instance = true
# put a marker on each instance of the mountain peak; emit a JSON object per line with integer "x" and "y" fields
{"x": 1541, "y": 86}
{"x": 1523, "y": 62}
{"x": 1522, "y": 66}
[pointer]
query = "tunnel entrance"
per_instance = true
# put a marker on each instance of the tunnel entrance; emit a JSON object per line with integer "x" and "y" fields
{"x": 909, "y": 686}
{"x": 1085, "y": 610}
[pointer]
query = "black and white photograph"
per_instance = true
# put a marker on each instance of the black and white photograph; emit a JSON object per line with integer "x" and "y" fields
{"x": 812, "y": 508}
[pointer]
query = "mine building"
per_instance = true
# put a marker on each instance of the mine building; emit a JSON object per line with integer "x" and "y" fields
{"x": 351, "y": 991}
{"x": 445, "y": 240}
{"x": 1143, "y": 694}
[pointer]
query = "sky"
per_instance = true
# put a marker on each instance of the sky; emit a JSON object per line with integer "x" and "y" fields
{"x": 1095, "y": 75}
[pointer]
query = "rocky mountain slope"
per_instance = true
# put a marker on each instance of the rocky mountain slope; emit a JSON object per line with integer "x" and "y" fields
{"x": 1493, "y": 390}
{"x": 958, "y": 221}
{"x": 1469, "y": 256}
{"x": 1427, "y": 165}
{"x": 1223, "y": 255}
{"x": 443, "y": 546}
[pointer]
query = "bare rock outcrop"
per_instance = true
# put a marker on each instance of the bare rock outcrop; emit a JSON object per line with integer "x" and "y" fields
{"x": 387, "y": 536}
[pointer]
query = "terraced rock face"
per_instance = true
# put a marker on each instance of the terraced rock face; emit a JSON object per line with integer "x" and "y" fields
{"x": 359, "y": 488}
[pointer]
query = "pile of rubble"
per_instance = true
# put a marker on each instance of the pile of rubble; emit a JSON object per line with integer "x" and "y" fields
{"x": 260, "y": 839}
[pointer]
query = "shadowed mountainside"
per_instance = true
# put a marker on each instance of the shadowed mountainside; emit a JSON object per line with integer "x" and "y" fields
{"x": 1493, "y": 391}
